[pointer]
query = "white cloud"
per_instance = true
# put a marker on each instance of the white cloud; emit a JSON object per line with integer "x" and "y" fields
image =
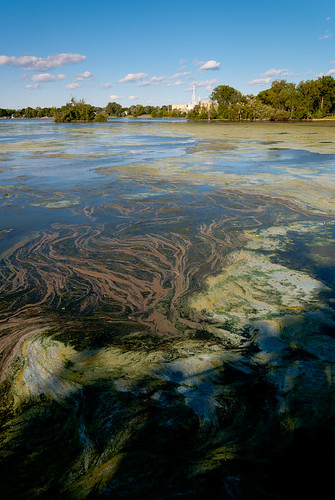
{"x": 46, "y": 77}
{"x": 4, "y": 60}
{"x": 324, "y": 37}
{"x": 209, "y": 65}
{"x": 87, "y": 75}
{"x": 158, "y": 79}
{"x": 202, "y": 83}
{"x": 133, "y": 77}
{"x": 274, "y": 72}
{"x": 331, "y": 72}
{"x": 145, "y": 83}
{"x": 155, "y": 80}
{"x": 260, "y": 81}
{"x": 30, "y": 86}
{"x": 72, "y": 86}
{"x": 114, "y": 96}
{"x": 328, "y": 18}
{"x": 176, "y": 83}
{"x": 132, "y": 97}
{"x": 319, "y": 75}
{"x": 32, "y": 63}
{"x": 178, "y": 75}
{"x": 289, "y": 73}
{"x": 106, "y": 85}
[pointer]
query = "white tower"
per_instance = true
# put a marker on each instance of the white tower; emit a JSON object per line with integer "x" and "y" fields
{"x": 194, "y": 100}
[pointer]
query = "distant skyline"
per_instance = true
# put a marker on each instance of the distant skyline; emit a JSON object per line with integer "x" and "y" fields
{"x": 153, "y": 52}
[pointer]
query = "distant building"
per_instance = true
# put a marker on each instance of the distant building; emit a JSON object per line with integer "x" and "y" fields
{"x": 189, "y": 106}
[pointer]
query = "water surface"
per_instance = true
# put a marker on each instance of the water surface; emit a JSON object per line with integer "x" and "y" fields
{"x": 167, "y": 308}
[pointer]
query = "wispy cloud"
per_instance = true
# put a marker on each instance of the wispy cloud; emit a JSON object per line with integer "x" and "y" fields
{"x": 208, "y": 65}
{"x": 32, "y": 63}
{"x": 208, "y": 84}
{"x": 324, "y": 37}
{"x": 331, "y": 72}
{"x": 158, "y": 79}
{"x": 145, "y": 83}
{"x": 328, "y": 18}
{"x": 164, "y": 80}
{"x": 106, "y": 85}
{"x": 114, "y": 96}
{"x": 33, "y": 86}
{"x": 176, "y": 83}
{"x": 274, "y": 72}
{"x": 260, "y": 81}
{"x": 133, "y": 77}
{"x": 47, "y": 77}
{"x": 87, "y": 75}
{"x": 72, "y": 86}
{"x": 132, "y": 97}
{"x": 155, "y": 80}
{"x": 180, "y": 74}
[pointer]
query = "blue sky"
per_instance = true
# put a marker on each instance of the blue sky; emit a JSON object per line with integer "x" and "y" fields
{"x": 153, "y": 52}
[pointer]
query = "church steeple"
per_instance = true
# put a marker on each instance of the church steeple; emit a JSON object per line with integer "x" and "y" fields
{"x": 194, "y": 101}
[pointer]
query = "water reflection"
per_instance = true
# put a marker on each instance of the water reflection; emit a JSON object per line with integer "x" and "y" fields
{"x": 167, "y": 291}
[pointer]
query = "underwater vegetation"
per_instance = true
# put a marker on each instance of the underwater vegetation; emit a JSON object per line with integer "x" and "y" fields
{"x": 166, "y": 313}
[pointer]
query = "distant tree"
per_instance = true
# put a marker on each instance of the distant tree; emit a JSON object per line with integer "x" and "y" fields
{"x": 101, "y": 117}
{"x": 257, "y": 110}
{"x": 148, "y": 109}
{"x": 44, "y": 112}
{"x": 75, "y": 111}
{"x": 5, "y": 112}
{"x": 327, "y": 94}
{"x": 113, "y": 109}
{"x": 309, "y": 96}
{"x": 280, "y": 96}
{"x": 226, "y": 98}
{"x": 223, "y": 94}
{"x": 138, "y": 111}
{"x": 29, "y": 112}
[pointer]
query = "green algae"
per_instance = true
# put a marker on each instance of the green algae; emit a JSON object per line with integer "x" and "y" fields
{"x": 57, "y": 204}
{"x": 182, "y": 340}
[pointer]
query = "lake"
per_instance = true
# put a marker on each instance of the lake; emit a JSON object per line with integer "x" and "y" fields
{"x": 167, "y": 309}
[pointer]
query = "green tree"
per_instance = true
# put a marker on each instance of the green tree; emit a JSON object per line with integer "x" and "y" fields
{"x": 29, "y": 112}
{"x": 75, "y": 111}
{"x": 309, "y": 97}
{"x": 327, "y": 94}
{"x": 223, "y": 94}
{"x": 227, "y": 99}
{"x": 113, "y": 109}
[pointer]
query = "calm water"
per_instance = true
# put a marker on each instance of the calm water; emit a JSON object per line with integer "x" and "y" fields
{"x": 167, "y": 308}
{"x": 46, "y": 167}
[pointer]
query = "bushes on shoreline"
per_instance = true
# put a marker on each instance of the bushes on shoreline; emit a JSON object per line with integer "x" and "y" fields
{"x": 282, "y": 101}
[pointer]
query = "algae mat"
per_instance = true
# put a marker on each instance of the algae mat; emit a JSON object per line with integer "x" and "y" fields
{"x": 167, "y": 309}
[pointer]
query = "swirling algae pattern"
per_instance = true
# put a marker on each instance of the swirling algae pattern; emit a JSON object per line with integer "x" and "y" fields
{"x": 175, "y": 342}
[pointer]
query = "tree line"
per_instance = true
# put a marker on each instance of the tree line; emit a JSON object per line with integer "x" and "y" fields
{"x": 282, "y": 101}
{"x": 79, "y": 111}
